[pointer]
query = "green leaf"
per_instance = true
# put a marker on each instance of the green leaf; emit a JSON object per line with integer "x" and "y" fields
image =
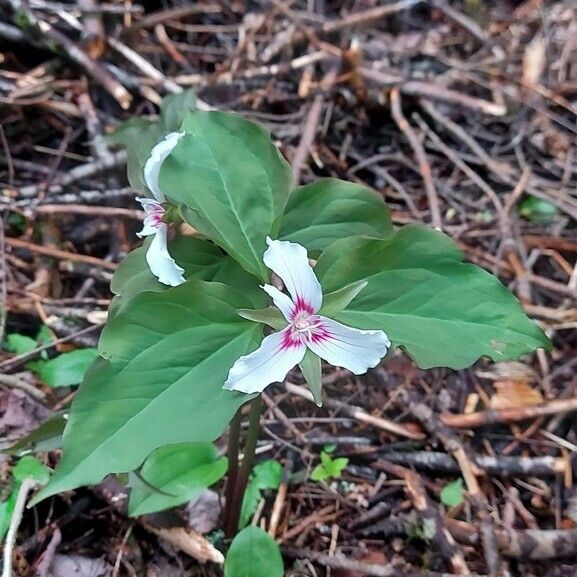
{"x": 175, "y": 108}
{"x": 65, "y": 369}
{"x": 329, "y": 468}
{"x": 452, "y": 494}
{"x": 29, "y": 467}
{"x": 6, "y": 512}
{"x": 538, "y": 210}
{"x": 270, "y": 316}
{"x": 200, "y": 258}
{"x": 45, "y": 335}
{"x": 180, "y": 473}
{"x": 265, "y": 475}
{"x": 253, "y": 553}
{"x": 232, "y": 181}
{"x": 138, "y": 136}
{"x": 311, "y": 369}
{"x": 19, "y": 344}
{"x": 330, "y": 209}
{"x": 169, "y": 354}
{"x": 444, "y": 312}
{"x": 46, "y": 437}
{"x": 335, "y": 302}
{"x": 26, "y": 468}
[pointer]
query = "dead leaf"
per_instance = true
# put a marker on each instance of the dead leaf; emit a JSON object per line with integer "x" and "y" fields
{"x": 19, "y": 414}
{"x": 369, "y": 557}
{"x": 79, "y": 566}
{"x": 203, "y": 514}
{"x": 534, "y": 61}
{"x": 510, "y": 394}
{"x": 188, "y": 541}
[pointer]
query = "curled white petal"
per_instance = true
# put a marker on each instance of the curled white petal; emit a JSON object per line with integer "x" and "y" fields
{"x": 290, "y": 262}
{"x": 154, "y": 212}
{"x": 161, "y": 264}
{"x": 270, "y": 363}
{"x": 281, "y": 301}
{"x": 148, "y": 228}
{"x": 157, "y": 156}
{"x": 352, "y": 349}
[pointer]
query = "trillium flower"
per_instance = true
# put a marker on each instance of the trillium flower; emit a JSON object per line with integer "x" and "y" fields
{"x": 161, "y": 264}
{"x": 340, "y": 345}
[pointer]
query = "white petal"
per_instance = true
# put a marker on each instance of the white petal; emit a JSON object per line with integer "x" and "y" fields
{"x": 161, "y": 264}
{"x": 154, "y": 212}
{"x": 290, "y": 262}
{"x": 270, "y": 363}
{"x": 148, "y": 228}
{"x": 352, "y": 349}
{"x": 157, "y": 156}
{"x": 281, "y": 301}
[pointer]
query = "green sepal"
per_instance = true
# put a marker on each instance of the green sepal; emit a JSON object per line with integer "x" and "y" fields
{"x": 336, "y": 301}
{"x": 311, "y": 369}
{"x": 270, "y": 316}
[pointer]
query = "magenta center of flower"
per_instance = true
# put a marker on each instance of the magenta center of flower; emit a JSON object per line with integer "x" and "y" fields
{"x": 154, "y": 214}
{"x": 306, "y": 327}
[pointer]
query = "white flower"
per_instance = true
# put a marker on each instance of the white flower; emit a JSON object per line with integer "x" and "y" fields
{"x": 161, "y": 264}
{"x": 342, "y": 346}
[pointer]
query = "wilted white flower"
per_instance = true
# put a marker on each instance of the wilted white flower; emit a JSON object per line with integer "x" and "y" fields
{"x": 161, "y": 264}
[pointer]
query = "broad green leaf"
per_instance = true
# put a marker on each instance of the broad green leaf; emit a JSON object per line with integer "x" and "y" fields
{"x": 442, "y": 311}
{"x": 312, "y": 372}
{"x": 265, "y": 475}
{"x": 335, "y": 302}
{"x": 179, "y": 473}
{"x": 47, "y": 437}
{"x": 19, "y": 344}
{"x": 452, "y": 494}
{"x": 65, "y": 369}
{"x": 253, "y": 553}
{"x": 138, "y": 136}
{"x": 270, "y": 316}
{"x": 330, "y": 209}
{"x": 169, "y": 354}
{"x": 232, "y": 182}
{"x": 200, "y": 258}
{"x": 175, "y": 108}
{"x": 29, "y": 467}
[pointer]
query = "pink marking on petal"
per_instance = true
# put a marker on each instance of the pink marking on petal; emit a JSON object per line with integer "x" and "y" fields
{"x": 319, "y": 332}
{"x": 290, "y": 340}
{"x": 302, "y": 306}
{"x": 154, "y": 212}
{"x": 156, "y": 219}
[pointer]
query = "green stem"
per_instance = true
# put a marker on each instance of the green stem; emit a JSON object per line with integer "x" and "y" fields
{"x": 235, "y": 505}
{"x": 232, "y": 453}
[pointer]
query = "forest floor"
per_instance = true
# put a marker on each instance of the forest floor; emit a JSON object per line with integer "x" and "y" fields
{"x": 463, "y": 115}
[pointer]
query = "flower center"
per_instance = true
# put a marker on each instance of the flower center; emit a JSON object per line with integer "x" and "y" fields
{"x": 302, "y": 323}
{"x": 155, "y": 214}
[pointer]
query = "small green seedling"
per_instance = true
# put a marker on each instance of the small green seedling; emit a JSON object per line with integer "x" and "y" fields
{"x": 27, "y": 467}
{"x": 537, "y": 210}
{"x": 329, "y": 468}
{"x": 61, "y": 371}
{"x": 452, "y": 494}
{"x": 265, "y": 475}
